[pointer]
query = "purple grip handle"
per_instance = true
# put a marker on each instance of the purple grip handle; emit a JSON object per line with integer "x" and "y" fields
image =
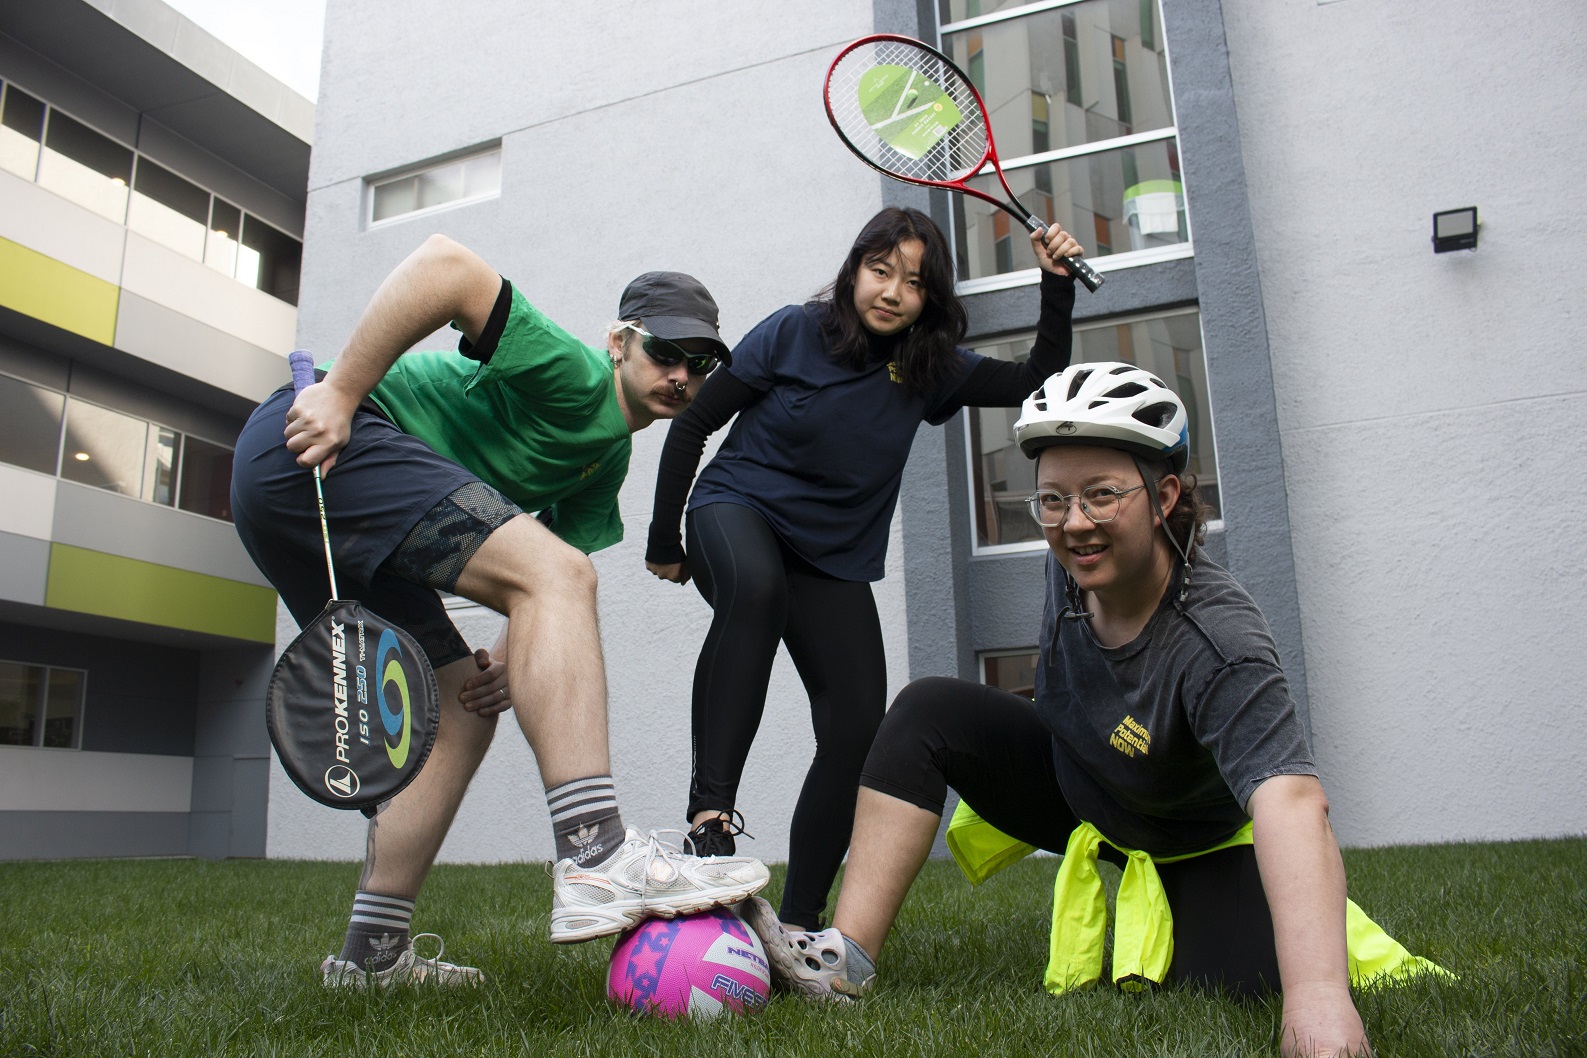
{"x": 302, "y": 370}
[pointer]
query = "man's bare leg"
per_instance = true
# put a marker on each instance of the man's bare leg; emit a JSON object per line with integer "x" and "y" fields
{"x": 558, "y": 678}
{"x": 407, "y": 834}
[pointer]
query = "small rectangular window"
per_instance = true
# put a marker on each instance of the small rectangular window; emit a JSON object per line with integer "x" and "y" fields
{"x": 269, "y": 260}
{"x": 168, "y": 209}
{"x": 159, "y": 467}
{"x": 21, "y": 132}
{"x": 1013, "y": 672}
{"x": 205, "y": 477}
{"x": 30, "y": 425}
{"x": 452, "y": 182}
{"x": 220, "y": 249}
{"x": 104, "y": 448}
{"x": 41, "y": 705}
{"x": 86, "y": 167}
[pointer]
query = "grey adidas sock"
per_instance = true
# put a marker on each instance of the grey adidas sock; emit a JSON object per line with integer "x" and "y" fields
{"x": 377, "y": 931}
{"x": 585, "y": 821}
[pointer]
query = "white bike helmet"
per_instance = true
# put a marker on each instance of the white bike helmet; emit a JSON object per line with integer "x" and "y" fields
{"x": 1110, "y": 404}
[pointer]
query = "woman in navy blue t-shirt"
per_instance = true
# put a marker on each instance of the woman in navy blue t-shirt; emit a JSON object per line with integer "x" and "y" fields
{"x": 788, "y": 523}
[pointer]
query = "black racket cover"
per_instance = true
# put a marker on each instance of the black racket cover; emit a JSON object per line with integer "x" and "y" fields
{"x": 352, "y": 708}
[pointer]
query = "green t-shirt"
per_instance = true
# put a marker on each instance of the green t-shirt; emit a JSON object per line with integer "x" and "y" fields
{"x": 540, "y": 421}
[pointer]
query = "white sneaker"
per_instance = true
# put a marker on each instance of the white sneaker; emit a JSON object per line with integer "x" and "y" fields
{"x": 816, "y": 964}
{"x": 645, "y": 879}
{"x": 410, "y": 969}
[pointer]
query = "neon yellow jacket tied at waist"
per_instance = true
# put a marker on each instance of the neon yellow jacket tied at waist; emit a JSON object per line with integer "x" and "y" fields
{"x": 1143, "y": 936}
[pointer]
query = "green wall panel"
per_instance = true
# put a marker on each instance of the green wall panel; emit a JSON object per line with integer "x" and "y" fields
{"x": 37, "y": 285}
{"x": 93, "y": 582}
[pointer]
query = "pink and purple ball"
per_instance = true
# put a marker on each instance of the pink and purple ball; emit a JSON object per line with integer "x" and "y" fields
{"x": 696, "y": 966}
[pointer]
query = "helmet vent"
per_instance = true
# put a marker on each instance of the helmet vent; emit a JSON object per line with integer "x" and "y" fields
{"x": 1158, "y": 415}
{"x": 1129, "y": 389}
{"x": 1076, "y": 382}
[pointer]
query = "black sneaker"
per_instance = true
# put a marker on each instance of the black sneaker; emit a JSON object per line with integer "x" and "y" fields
{"x": 714, "y": 837}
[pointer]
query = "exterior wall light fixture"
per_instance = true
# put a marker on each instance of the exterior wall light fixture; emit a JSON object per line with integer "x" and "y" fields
{"x": 1455, "y": 229}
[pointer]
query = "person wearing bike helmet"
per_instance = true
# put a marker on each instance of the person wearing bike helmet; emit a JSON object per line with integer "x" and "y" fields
{"x": 1162, "y": 738}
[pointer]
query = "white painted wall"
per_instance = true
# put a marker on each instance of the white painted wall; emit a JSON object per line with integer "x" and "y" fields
{"x": 1432, "y": 407}
{"x": 638, "y": 139}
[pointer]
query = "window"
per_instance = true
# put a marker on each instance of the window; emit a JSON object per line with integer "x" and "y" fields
{"x": 30, "y": 425}
{"x": 169, "y": 209}
{"x": 56, "y": 151}
{"x": 453, "y": 182}
{"x": 1086, "y": 162}
{"x": 269, "y": 260}
{"x": 1013, "y": 671}
{"x": 1167, "y": 344}
{"x": 21, "y": 132}
{"x": 112, "y": 450}
{"x": 41, "y": 705}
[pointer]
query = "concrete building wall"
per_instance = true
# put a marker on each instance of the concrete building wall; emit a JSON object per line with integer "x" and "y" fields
{"x": 1431, "y": 407}
{"x": 717, "y": 161}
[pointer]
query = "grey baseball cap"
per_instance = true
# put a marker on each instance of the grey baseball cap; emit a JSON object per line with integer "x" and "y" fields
{"x": 673, "y": 306}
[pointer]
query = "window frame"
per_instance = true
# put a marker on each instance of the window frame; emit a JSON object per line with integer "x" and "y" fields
{"x": 391, "y": 176}
{"x": 78, "y": 719}
{"x": 1115, "y": 261}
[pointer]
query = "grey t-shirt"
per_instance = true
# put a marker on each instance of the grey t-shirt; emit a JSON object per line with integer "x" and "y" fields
{"x": 1160, "y": 743}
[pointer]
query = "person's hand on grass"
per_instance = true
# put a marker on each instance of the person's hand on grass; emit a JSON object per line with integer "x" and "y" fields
{"x": 1320, "y": 1021}
{"x": 486, "y": 691}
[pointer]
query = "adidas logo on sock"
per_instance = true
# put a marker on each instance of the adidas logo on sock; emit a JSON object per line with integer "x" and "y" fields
{"x": 583, "y": 836}
{"x": 384, "y": 943}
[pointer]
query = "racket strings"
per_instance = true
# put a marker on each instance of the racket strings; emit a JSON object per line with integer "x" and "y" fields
{"x": 958, "y": 153}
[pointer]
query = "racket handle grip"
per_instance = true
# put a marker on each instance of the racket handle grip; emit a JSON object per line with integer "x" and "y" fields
{"x": 302, "y": 364}
{"x": 1087, "y": 275}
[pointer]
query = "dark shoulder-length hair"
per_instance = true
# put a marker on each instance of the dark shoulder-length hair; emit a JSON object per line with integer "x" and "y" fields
{"x": 925, "y": 352}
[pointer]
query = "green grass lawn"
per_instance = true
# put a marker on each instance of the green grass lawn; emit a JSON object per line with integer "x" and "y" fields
{"x": 179, "y": 957}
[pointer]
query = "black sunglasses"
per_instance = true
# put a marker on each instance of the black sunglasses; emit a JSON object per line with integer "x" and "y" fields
{"x": 671, "y": 354}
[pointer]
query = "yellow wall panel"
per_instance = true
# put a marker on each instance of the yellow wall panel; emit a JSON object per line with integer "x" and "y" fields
{"x": 93, "y": 582}
{"x": 40, "y": 286}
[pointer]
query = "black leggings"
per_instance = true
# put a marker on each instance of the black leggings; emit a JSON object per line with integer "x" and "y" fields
{"x": 990, "y": 746}
{"x": 761, "y": 593}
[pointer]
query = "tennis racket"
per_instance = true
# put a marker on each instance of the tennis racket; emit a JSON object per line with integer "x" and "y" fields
{"x": 353, "y": 705}
{"x": 908, "y": 112}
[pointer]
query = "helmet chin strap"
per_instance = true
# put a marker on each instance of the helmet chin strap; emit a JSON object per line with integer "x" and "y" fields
{"x": 1162, "y": 519}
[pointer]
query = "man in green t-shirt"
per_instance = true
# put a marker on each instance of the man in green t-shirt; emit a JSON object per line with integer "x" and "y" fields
{"x": 431, "y": 460}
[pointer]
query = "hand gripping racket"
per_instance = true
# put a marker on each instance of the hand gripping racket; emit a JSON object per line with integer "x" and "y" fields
{"x": 353, "y": 704}
{"x": 908, "y": 112}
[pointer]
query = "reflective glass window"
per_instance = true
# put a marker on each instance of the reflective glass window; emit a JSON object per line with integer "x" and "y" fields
{"x": 1118, "y": 200}
{"x": 1166, "y": 344}
{"x": 1015, "y": 673}
{"x": 30, "y": 425}
{"x": 21, "y": 696}
{"x": 86, "y": 167}
{"x": 269, "y": 260}
{"x": 477, "y": 176}
{"x": 205, "y": 479}
{"x": 103, "y": 448}
{"x": 220, "y": 249}
{"x": 63, "y": 709}
{"x": 168, "y": 209}
{"x": 159, "y": 466}
{"x": 21, "y": 132}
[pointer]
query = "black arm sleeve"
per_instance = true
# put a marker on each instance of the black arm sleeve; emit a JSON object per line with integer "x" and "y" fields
{"x": 721, "y": 398}
{"x": 1003, "y": 384}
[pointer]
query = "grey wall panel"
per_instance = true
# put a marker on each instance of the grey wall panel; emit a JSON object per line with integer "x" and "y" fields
{"x": 140, "y": 696}
{"x": 231, "y": 696}
{"x": 119, "y": 525}
{"x": 25, "y": 360}
{"x": 1234, "y": 328}
{"x": 24, "y": 568}
{"x": 79, "y": 835}
{"x": 38, "y": 76}
{"x": 208, "y": 835}
{"x": 152, "y": 401}
{"x": 250, "y": 801}
{"x": 181, "y": 343}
